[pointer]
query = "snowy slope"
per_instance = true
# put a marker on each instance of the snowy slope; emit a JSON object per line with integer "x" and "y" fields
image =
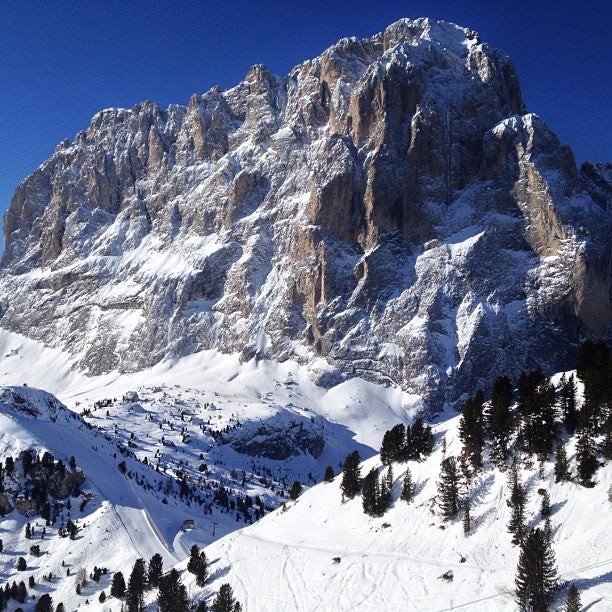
{"x": 169, "y": 425}
{"x": 289, "y": 560}
{"x": 318, "y": 553}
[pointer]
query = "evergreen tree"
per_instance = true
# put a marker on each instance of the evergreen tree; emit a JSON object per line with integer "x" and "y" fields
{"x": 537, "y": 410}
{"x": 393, "y": 446}
{"x": 156, "y": 569}
{"x": 60, "y": 607}
{"x": 562, "y": 471}
{"x": 225, "y": 600}
{"x": 386, "y": 489}
{"x": 594, "y": 370}
{"x": 607, "y": 430}
{"x": 22, "y": 592}
{"x": 449, "y": 487}
{"x": 370, "y": 493}
{"x": 134, "y": 598}
{"x": 44, "y": 604}
{"x": 471, "y": 429}
{"x": 198, "y": 565}
{"x": 351, "y": 477}
{"x": 499, "y": 418}
{"x": 536, "y": 574}
{"x": 201, "y": 607}
{"x": 567, "y": 398}
{"x": 518, "y": 499}
{"x": 329, "y": 474}
{"x": 467, "y": 515}
{"x": 573, "y": 604}
{"x": 194, "y": 559}
{"x": 296, "y": 490}
{"x": 407, "y": 487}
{"x": 586, "y": 456}
{"x": 419, "y": 441}
{"x": 21, "y": 564}
{"x": 545, "y": 505}
{"x": 172, "y": 595}
{"x": 118, "y": 585}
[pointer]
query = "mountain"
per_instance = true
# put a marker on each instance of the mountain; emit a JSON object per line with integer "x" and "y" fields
{"x": 389, "y": 206}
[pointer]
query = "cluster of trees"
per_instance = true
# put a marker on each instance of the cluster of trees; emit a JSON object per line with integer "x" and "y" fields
{"x": 403, "y": 443}
{"x": 376, "y": 492}
{"x": 172, "y": 594}
{"x": 198, "y": 565}
{"x": 38, "y": 477}
{"x": 15, "y": 591}
{"x": 536, "y": 425}
{"x": 400, "y": 444}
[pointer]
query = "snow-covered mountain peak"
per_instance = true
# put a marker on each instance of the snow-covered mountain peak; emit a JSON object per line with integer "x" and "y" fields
{"x": 319, "y": 215}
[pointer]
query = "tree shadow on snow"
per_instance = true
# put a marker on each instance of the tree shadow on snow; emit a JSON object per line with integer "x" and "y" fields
{"x": 586, "y": 583}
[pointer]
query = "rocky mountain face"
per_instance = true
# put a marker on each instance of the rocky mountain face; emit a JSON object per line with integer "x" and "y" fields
{"x": 389, "y": 206}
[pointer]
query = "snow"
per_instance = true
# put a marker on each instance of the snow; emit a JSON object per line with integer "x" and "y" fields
{"x": 396, "y": 561}
{"x": 318, "y": 553}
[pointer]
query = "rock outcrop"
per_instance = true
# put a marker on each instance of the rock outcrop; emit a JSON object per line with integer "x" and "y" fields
{"x": 389, "y": 206}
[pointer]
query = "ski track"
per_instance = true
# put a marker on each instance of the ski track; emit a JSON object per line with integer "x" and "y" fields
{"x": 127, "y": 505}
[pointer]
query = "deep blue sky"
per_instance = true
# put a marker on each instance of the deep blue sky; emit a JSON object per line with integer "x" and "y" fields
{"x": 63, "y": 60}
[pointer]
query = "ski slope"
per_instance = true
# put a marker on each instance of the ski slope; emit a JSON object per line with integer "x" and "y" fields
{"x": 321, "y": 554}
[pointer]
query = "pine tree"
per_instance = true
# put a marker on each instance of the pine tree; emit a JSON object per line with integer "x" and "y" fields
{"x": 536, "y": 574}
{"x": 134, "y": 598}
{"x": 198, "y": 565}
{"x": 562, "y": 471}
{"x": 586, "y": 456}
{"x": 471, "y": 429}
{"x": 44, "y": 604}
{"x": 607, "y": 429}
{"x": 518, "y": 499}
{"x": 118, "y": 585}
{"x": 370, "y": 492}
{"x": 419, "y": 441}
{"x": 545, "y": 505}
{"x": 386, "y": 489}
{"x": 568, "y": 403}
{"x": 60, "y": 607}
{"x": 22, "y": 592}
{"x": 225, "y": 600}
{"x": 500, "y": 418}
{"x": 172, "y": 594}
{"x": 393, "y": 447}
{"x": 296, "y": 490}
{"x": 467, "y": 515}
{"x": 449, "y": 487}
{"x": 156, "y": 569}
{"x": 351, "y": 477}
{"x": 21, "y": 564}
{"x": 573, "y": 603}
{"x": 407, "y": 487}
{"x": 593, "y": 369}
{"x": 329, "y": 474}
